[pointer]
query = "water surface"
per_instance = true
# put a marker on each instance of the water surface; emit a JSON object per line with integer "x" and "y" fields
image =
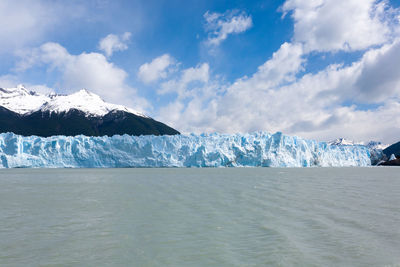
{"x": 200, "y": 217}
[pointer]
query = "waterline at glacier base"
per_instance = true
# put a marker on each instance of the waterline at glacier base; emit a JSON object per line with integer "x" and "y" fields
{"x": 205, "y": 150}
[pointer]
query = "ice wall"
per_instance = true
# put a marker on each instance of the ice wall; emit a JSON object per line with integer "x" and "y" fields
{"x": 213, "y": 150}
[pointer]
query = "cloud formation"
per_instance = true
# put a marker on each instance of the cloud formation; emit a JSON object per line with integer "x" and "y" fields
{"x": 87, "y": 70}
{"x": 380, "y": 75}
{"x": 158, "y": 68}
{"x": 20, "y": 23}
{"x": 180, "y": 85}
{"x": 112, "y": 43}
{"x": 219, "y": 26}
{"x": 359, "y": 101}
{"x": 25, "y": 22}
{"x": 273, "y": 100}
{"x": 332, "y": 25}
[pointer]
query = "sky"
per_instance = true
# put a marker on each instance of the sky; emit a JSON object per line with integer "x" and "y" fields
{"x": 319, "y": 69}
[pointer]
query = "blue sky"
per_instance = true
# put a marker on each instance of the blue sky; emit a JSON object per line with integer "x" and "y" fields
{"x": 319, "y": 69}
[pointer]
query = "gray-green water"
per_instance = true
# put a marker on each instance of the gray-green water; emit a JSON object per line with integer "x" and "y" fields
{"x": 200, "y": 217}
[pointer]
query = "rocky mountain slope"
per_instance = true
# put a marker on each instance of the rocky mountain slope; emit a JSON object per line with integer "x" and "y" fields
{"x": 27, "y": 113}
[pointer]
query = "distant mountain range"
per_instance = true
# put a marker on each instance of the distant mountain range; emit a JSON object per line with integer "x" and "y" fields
{"x": 392, "y": 154}
{"x": 370, "y": 144}
{"x": 27, "y": 113}
{"x": 393, "y": 150}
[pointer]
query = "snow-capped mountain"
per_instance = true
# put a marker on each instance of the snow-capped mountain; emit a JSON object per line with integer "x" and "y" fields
{"x": 346, "y": 142}
{"x": 22, "y": 101}
{"x": 26, "y": 113}
{"x": 343, "y": 142}
{"x": 376, "y": 145}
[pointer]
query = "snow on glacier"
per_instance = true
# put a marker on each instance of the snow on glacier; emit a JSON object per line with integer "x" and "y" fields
{"x": 206, "y": 150}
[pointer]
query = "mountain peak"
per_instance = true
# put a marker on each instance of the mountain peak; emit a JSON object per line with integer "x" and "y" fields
{"x": 21, "y": 87}
{"x": 342, "y": 142}
{"x": 84, "y": 91}
{"x": 20, "y": 90}
{"x": 22, "y": 101}
{"x": 370, "y": 144}
{"x": 376, "y": 145}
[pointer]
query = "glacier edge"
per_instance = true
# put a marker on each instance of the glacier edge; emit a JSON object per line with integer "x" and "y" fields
{"x": 205, "y": 150}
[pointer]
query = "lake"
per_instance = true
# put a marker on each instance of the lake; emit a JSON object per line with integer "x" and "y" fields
{"x": 200, "y": 217}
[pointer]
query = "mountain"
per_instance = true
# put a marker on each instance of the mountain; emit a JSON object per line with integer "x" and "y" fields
{"x": 376, "y": 145}
{"x": 342, "y": 142}
{"x": 345, "y": 142}
{"x": 392, "y": 150}
{"x": 27, "y": 113}
{"x": 392, "y": 155}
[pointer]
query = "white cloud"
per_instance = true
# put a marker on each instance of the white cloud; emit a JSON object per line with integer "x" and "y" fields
{"x": 25, "y": 22}
{"x": 311, "y": 105}
{"x": 219, "y": 26}
{"x": 181, "y": 86}
{"x": 282, "y": 67}
{"x": 332, "y": 25}
{"x": 112, "y": 43}
{"x": 8, "y": 81}
{"x": 87, "y": 70}
{"x": 158, "y": 68}
{"x": 200, "y": 73}
{"x": 192, "y": 84}
{"x": 380, "y": 76}
{"x": 358, "y": 101}
{"x": 21, "y": 22}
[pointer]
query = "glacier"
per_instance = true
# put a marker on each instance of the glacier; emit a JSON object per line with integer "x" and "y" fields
{"x": 204, "y": 150}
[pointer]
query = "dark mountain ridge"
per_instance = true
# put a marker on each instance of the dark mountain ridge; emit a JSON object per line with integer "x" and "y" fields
{"x": 76, "y": 122}
{"x": 392, "y": 149}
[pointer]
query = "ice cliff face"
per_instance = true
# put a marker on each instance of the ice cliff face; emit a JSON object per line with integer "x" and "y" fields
{"x": 214, "y": 150}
